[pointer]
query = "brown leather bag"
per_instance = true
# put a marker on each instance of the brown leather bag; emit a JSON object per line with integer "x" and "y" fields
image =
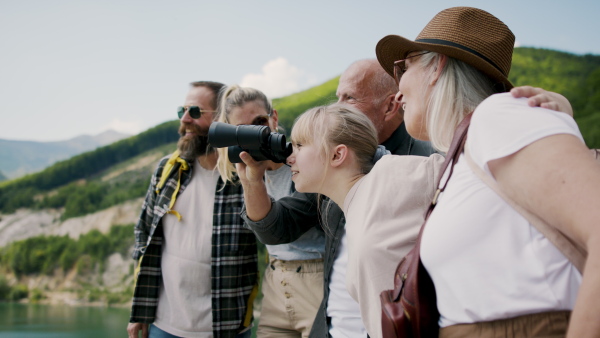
{"x": 410, "y": 310}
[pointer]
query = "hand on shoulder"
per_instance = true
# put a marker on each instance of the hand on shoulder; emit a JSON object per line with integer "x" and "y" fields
{"x": 538, "y": 97}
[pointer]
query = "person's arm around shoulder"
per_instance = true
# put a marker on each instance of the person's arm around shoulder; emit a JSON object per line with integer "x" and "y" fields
{"x": 556, "y": 179}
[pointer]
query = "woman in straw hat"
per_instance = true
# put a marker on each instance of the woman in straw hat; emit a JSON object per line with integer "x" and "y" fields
{"x": 490, "y": 266}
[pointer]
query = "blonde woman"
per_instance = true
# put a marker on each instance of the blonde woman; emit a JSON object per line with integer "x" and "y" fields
{"x": 493, "y": 272}
{"x": 293, "y": 280}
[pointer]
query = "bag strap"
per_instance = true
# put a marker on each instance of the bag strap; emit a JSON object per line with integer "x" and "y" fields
{"x": 414, "y": 266}
{"x": 570, "y": 249}
{"x": 456, "y": 148}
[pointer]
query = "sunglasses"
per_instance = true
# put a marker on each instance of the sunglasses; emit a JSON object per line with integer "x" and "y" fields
{"x": 195, "y": 111}
{"x": 400, "y": 67}
{"x": 261, "y": 120}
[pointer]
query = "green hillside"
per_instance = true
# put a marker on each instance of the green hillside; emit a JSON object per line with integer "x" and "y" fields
{"x": 76, "y": 183}
{"x": 576, "y": 77}
{"x": 28, "y": 191}
{"x": 291, "y": 106}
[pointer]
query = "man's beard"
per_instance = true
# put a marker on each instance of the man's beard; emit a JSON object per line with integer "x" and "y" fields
{"x": 194, "y": 146}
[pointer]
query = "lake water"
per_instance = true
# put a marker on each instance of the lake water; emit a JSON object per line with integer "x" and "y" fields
{"x": 61, "y": 321}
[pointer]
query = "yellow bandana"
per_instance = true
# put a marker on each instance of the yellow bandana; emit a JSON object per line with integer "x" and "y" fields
{"x": 165, "y": 175}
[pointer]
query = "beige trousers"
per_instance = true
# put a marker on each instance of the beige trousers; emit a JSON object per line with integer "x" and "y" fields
{"x": 545, "y": 324}
{"x": 292, "y": 292}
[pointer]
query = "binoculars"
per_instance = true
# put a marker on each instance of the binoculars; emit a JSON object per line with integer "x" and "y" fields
{"x": 258, "y": 141}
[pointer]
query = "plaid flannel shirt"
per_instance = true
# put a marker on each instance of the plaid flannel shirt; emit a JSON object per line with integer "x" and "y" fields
{"x": 234, "y": 268}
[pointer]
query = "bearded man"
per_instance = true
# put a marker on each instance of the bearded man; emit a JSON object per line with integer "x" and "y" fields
{"x": 197, "y": 265}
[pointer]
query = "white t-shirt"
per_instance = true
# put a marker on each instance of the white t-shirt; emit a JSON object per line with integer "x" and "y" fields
{"x": 184, "y": 303}
{"x": 384, "y": 211}
{"x": 486, "y": 261}
{"x": 341, "y": 308}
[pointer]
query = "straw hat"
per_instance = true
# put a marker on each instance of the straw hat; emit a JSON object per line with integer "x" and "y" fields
{"x": 471, "y": 35}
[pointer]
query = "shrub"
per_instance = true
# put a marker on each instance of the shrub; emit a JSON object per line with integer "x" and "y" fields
{"x": 36, "y": 295}
{"x": 4, "y": 288}
{"x": 44, "y": 254}
{"x": 18, "y": 292}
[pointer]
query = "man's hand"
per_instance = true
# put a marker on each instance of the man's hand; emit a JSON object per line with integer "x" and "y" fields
{"x": 538, "y": 97}
{"x": 134, "y": 328}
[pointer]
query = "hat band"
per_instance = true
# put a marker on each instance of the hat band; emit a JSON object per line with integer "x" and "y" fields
{"x": 466, "y": 49}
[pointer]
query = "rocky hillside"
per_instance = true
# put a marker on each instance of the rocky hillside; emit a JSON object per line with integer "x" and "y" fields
{"x": 88, "y": 278}
{"x": 84, "y": 273}
{"x": 26, "y": 223}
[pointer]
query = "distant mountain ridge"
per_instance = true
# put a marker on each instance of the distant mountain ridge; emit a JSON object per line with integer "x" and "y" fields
{"x": 18, "y": 158}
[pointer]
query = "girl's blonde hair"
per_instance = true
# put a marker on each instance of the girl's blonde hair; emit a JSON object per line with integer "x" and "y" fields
{"x": 235, "y": 96}
{"x": 457, "y": 92}
{"x": 335, "y": 124}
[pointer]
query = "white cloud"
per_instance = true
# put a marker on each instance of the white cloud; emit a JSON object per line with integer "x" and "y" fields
{"x": 126, "y": 127}
{"x": 517, "y": 44}
{"x": 279, "y": 78}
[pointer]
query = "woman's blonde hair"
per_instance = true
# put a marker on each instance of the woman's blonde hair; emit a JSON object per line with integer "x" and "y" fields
{"x": 335, "y": 124}
{"x": 457, "y": 92}
{"x": 235, "y": 96}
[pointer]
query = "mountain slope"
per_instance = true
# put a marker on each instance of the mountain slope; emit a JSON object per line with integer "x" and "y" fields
{"x": 20, "y": 193}
{"x": 18, "y": 158}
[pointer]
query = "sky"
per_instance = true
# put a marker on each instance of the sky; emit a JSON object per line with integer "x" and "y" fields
{"x": 71, "y": 67}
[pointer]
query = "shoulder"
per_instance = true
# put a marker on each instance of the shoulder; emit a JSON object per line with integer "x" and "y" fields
{"x": 501, "y": 99}
{"x": 163, "y": 161}
{"x": 403, "y": 168}
{"x": 504, "y": 109}
{"x": 502, "y": 125}
{"x": 422, "y": 148}
{"x": 406, "y": 162}
{"x": 161, "y": 165}
{"x": 499, "y": 104}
